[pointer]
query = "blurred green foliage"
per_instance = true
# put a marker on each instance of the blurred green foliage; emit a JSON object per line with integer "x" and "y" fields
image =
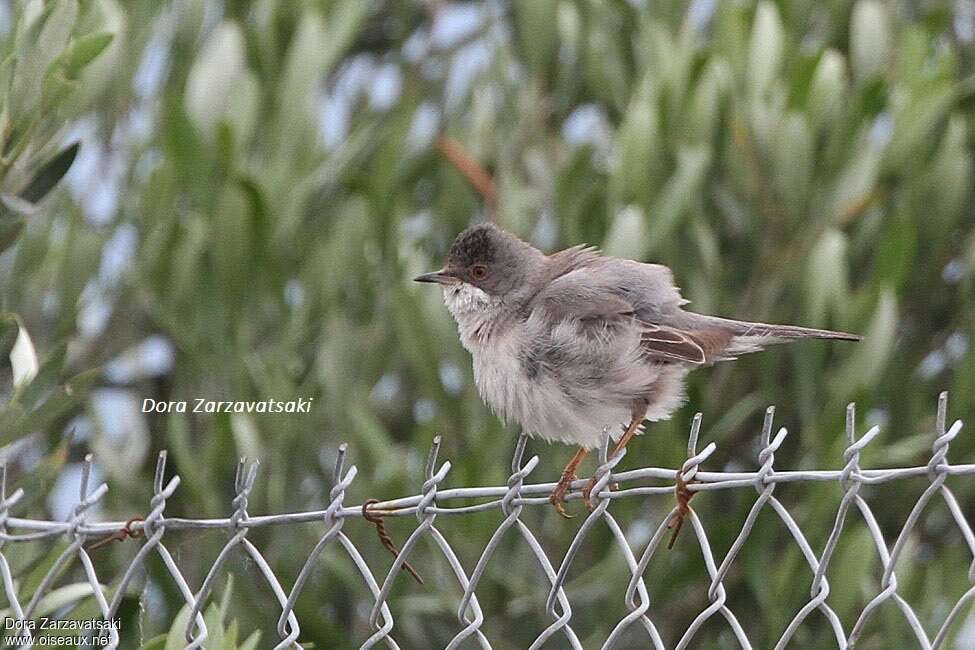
{"x": 257, "y": 182}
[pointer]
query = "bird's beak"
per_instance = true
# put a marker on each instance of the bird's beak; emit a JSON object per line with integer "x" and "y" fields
{"x": 439, "y": 277}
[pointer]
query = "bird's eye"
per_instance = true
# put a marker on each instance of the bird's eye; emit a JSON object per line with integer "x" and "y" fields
{"x": 479, "y": 271}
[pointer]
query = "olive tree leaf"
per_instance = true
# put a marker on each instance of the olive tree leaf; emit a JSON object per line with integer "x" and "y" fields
{"x": 83, "y": 51}
{"x": 11, "y": 227}
{"x": 17, "y": 205}
{"x": 58, "y": 404}
{"x": 64, "y": 596}
{"x": 766, "y": 47}
{"x": 155, "y": 643}
{"x": 870, "y": 37}
{"x": 536, "y": 28}
{"x": 50, "y": 174}
{"x": 867, "y": 362}
{"x": 627, "y": 234}
{"x": 213, "y": 75}
{"x": 23, "y": 358}
{"x": 41, "y": 44}
{"x": 47, "y": 376}
{"x": 828, "y": 89}
{"x": 827, "y": 284}
{"x": 677, "y": 193}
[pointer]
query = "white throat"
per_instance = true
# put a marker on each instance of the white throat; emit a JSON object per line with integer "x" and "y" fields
{"x": 474, "y": 310}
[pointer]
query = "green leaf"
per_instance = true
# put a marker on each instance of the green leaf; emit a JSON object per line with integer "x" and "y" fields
{"x": 641, "y": 164}
{"x": 215, "y": 631}
{"x": 230, "y": 638}
{"x": 853, "y": 566}
{"x": 50, "y": 174}
{"x": 870, "y": 36}
{"x": 793, "y": 157}
{"x": 10, "y": 414}
{"x": 83, "y": 51}
{"x": 863, "y": 368}
{"x": 232, "y": 249}
{"x": 536, "y": 28}
{"x": 344, "y": 23}
{"x": 251, "y": 642}
{"x": 855, "y": 183}
{"x": 57, "y": 28}
{"x": 706, "y": 102}
{"x": 247, "y": 436}
{"x": 6, "y": 74}
{"x": 314, "y": 49}
{"x": 57, "y": 90}
{"x": 213, "y": 76}
{"x": 245, "y": 107}
{"x": 186, "y": 149}
{"x": 195, "y": 237}
{"x": 61, "y": 597}
{"x": 677, "y": 194}
{"x": 766, "y": 48}
{"x": 826, "y": 280}
{"x": 11, "y": 227}
{"x": 32, "y": 580}
{"x": 17, "y": 205}
{"x": 827, "y": 90}
{"x": 898, "y": 243}
{"x": 56, "y": 406}
{"x": 155, "y": 643}
{"x": 627, "y": 234}
{"x": 41, "y": 45}
{"x": 949, "y": 178}
{"x": 48, "y": 375}
{"x": 176, "y": 637}
{"x": 916, "y": 119}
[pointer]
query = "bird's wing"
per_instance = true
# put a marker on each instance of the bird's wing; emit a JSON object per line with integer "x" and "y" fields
{"x": 614, "y": 297}
{"x": 657, "y": 305}
{"x": 574, "y": 298}
{"x": 669, "y": 344}
{"x": 597, "y": 305}
{"x": 585, "y": 339}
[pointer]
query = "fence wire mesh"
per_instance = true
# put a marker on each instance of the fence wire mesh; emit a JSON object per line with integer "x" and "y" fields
{"x": 510, "y": 500}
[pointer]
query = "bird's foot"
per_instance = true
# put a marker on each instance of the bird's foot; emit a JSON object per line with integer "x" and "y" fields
{"x": 557, "y": 498}
{"x": 684, "y": 495}
{"x": 587, "y": 491}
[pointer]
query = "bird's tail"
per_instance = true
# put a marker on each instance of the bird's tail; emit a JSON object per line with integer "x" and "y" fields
{"x": 783, "y": 332}
{"x": 751, "y": 337}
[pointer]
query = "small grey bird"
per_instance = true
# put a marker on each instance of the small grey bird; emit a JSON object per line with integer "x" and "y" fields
{"x": 573, "y": 344}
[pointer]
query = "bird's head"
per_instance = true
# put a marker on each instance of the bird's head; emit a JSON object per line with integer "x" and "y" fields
{"x": 489, "y": 259}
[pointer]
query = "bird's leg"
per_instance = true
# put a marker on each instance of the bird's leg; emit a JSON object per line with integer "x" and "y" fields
{"x": 568, "y": 475}
{"x": 684, "y": 495}
{"x": 624, "y": 439}
{"x": 628, "y": 434}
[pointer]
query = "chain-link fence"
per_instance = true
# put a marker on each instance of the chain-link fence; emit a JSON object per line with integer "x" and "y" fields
{"x": 510, "y": 499}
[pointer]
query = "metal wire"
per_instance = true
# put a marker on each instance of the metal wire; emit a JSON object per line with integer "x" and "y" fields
{"x": 510, "y": 500}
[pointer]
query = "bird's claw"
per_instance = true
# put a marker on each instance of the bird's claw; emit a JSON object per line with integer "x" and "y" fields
{"x": 587, "y": 492}
{"x": 684, "y": 495}
{"x": 557, "y": 498}
{"x": 559, "y": 508}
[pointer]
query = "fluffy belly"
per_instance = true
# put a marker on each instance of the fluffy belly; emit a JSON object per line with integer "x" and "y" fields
{"x": 543, "y": 406}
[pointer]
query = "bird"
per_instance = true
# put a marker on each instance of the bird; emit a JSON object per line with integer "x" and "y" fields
{"x": 575, "y": 345}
